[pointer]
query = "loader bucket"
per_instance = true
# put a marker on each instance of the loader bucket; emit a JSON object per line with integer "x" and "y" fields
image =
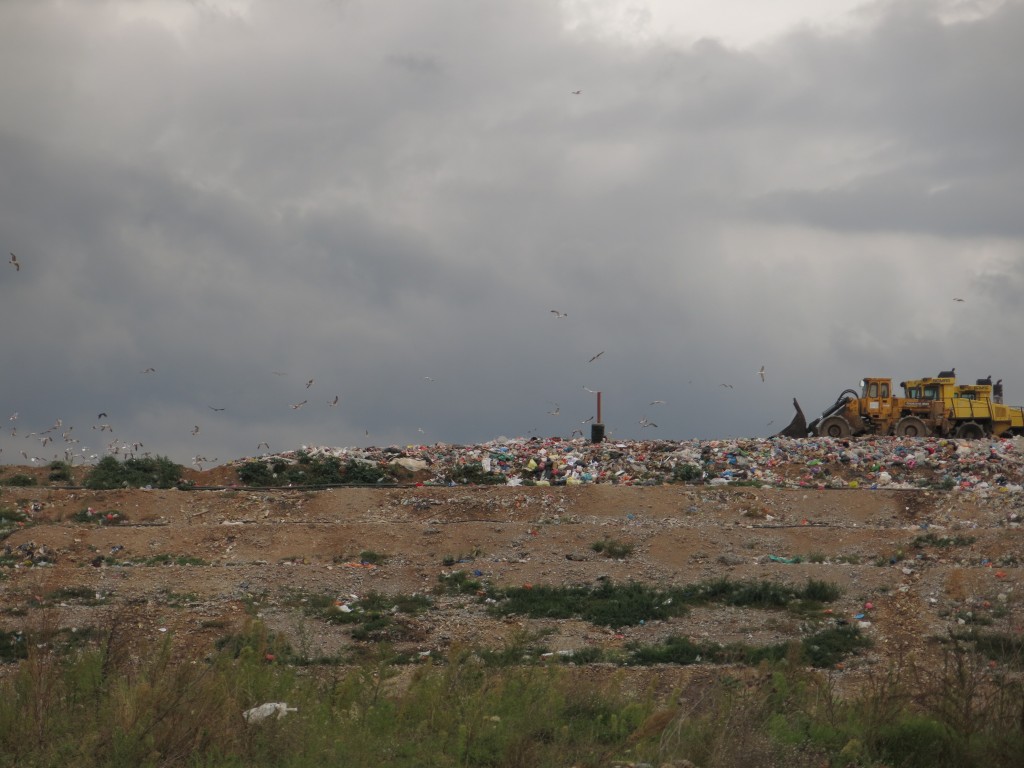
{"x": 797, "y": 427}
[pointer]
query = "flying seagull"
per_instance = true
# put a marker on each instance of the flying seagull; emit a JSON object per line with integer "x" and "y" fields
{"x": 576, "y": 93}
{"x": 299, "y": 405}
{"x": 596, "y": 356}
{"x": 263, "y": 445}
{"x": 309, "y": 383}
{"x": 657, "y": 402}
{"x": 954, "y": 299}
{"x": 101, "y": 415}
{"x": 726, "y": 385}
{"x": 195, "y": 430}
{"x": 427, "y": 378}
{"x": 556, "y": 411}
{"x": 334, "y": 401}
{"x": 591, "y": 391}
{"x": 149, "y": 370}
{"x": 559, "y": 315}
{"x": 761, "y": 372}
{"x": 14, "y": 261}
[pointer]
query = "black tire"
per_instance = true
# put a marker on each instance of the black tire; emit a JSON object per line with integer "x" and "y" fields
{"x": 911, "y": 426}
{"x": 970, "y": 430}
{"x": 834, "y": 426}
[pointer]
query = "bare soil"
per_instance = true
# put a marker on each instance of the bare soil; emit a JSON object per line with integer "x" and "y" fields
{"x": 253, "y": 551}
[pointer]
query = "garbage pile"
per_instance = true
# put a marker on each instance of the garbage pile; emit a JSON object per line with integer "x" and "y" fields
{"x": 868, "y": 462}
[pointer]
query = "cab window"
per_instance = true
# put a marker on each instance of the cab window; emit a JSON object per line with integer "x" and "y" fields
{"x": 873, "y": 389}
{"x": 914, "y": 393}
{"x": 931, "y": 393}
{"x": 885, "y": 390}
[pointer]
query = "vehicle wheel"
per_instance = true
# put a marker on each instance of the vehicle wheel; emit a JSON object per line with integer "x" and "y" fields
{"x": 912, "y": 426}
{"x": 970, "y": 430}
{"x": 834, "y": 426}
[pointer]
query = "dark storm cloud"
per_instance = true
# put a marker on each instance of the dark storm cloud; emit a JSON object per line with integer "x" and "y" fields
{"x": 369, "y": 198}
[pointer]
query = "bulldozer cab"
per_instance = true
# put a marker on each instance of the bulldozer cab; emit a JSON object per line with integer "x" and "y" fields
{"x": 979, "y": 392}
{"x": 925, "y": 391}
{"x": 876, "y": 399}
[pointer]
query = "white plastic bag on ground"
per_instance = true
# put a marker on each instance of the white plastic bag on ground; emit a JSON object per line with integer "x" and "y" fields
{"x": 270, "y": 709}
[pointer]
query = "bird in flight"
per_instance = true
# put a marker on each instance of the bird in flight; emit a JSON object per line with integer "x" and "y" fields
{"x": 559, "y": 315}
{"x": 149, "y": 370}
{"x": 263, "y": 445}
{"x": 195, "y": 430}
{"x": 657, "y": 402}
{"x": 101, "y": 415}
{"x": 645, "y": 422}
{"x": 309, "y": 383}
{"x": 957, "y": 299}
{"x": 761, "y": 373}
{"x": 427, "y": 378}
{"x": 214, "y": 409}
{"x": 333, "y": 402}
{"x": 726, "y": 385}
{"x": 16, "y": 263}
{"x": 596, "y": 356}
{"x": 587, "y": 421}
{"x": 296, "y": 406}
{"x": 279, "y": 373}
{"x": 556, "y": 411}
{"x": 576, "y": 93}
{"x": 588, "y": 389}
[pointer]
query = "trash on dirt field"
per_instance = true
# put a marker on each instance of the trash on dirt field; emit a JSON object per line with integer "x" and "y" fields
{"x": 893, "y": 463}
{"x": 275, "y": 709}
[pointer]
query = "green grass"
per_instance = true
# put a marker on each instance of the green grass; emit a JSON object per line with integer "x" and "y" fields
{"x": 618, "y": 605}
{"x": 823, "y": 649}
{"x": 63, "y": 702}
{"x": 458, "y": 583}
{"x": 376, "y": 617}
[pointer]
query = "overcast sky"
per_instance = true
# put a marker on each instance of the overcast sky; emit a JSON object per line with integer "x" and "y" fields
{"x": 390, "y": 198}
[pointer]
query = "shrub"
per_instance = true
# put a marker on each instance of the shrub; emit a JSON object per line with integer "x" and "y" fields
{"x": 60, "y": 471}
{"x": 686, "y": 473}
{"x": 109, "y": 473}
{"x": 474, "y": 474}
{"x": 312, "y": 470}
{"x": 20, "y": 480}
{"x": 611, "y": 548}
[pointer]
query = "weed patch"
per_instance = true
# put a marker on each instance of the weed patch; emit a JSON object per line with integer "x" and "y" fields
{"x": 90, "y": 515}
{"x": 618, "y": 605}
{"x": 612, "y": 548}
{"x": 309, "y": 470}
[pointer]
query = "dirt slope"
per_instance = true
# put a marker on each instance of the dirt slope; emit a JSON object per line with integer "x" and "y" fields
{"x": 246, "y": 552}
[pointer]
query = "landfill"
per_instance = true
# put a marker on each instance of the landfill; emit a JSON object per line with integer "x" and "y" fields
{"x": 995, "y": 465}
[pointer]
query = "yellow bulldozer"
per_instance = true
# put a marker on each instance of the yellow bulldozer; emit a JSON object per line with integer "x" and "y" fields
{"x": 930, "y": 406}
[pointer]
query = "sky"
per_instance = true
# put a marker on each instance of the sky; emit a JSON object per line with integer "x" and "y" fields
{"x": 351, "y": 223}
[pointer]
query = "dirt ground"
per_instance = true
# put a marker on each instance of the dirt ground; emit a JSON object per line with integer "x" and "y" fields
{"x": 927, "y": 561}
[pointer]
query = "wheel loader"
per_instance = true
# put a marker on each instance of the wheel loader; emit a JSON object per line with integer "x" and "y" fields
{"x": 929, "y": 406}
